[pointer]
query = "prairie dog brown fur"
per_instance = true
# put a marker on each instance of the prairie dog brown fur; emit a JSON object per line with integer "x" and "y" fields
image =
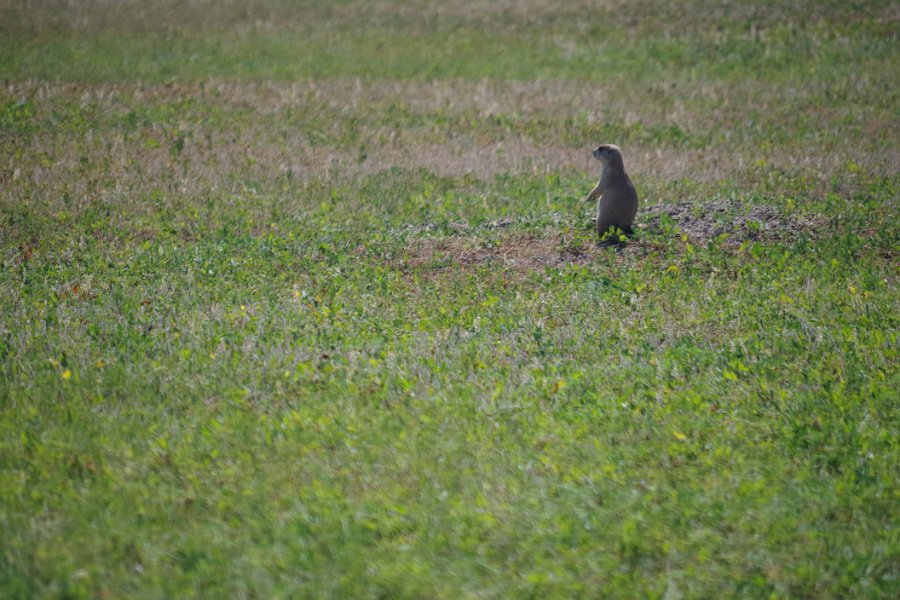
{"x": 618, "y": 199}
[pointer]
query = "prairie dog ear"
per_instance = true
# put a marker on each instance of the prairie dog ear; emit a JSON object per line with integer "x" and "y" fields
{"x": 610, "y": 154}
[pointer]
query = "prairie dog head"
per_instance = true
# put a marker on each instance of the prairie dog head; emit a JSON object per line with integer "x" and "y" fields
{"x": 609, "y": 155}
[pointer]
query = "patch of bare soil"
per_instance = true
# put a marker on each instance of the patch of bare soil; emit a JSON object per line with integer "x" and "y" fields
{"x": 702, "y": 222}
{"x": 519, "y": 252}
{"x": 524, "y": 253}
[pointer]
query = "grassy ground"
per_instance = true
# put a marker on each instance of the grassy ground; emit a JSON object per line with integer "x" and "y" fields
{"x": 298, "y": 299}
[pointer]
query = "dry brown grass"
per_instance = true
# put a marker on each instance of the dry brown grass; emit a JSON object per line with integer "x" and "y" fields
{"x": 80, "y": 152}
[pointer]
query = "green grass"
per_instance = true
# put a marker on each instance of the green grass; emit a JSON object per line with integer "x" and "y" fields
{"x": 299, "y": 300}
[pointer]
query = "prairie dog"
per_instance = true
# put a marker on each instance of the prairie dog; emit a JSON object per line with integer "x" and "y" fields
{"x": 618, "y": 199}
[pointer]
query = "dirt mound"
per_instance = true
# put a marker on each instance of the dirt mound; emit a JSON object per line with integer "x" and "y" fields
{"x": 525, "y": 252}
{"x": 708, "y": 220}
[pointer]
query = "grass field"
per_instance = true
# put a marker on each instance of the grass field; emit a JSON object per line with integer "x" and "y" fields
{"x": 300, "y": 300}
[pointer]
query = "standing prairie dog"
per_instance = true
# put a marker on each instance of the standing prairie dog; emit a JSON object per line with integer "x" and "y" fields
{"x": 618, "y": 199}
